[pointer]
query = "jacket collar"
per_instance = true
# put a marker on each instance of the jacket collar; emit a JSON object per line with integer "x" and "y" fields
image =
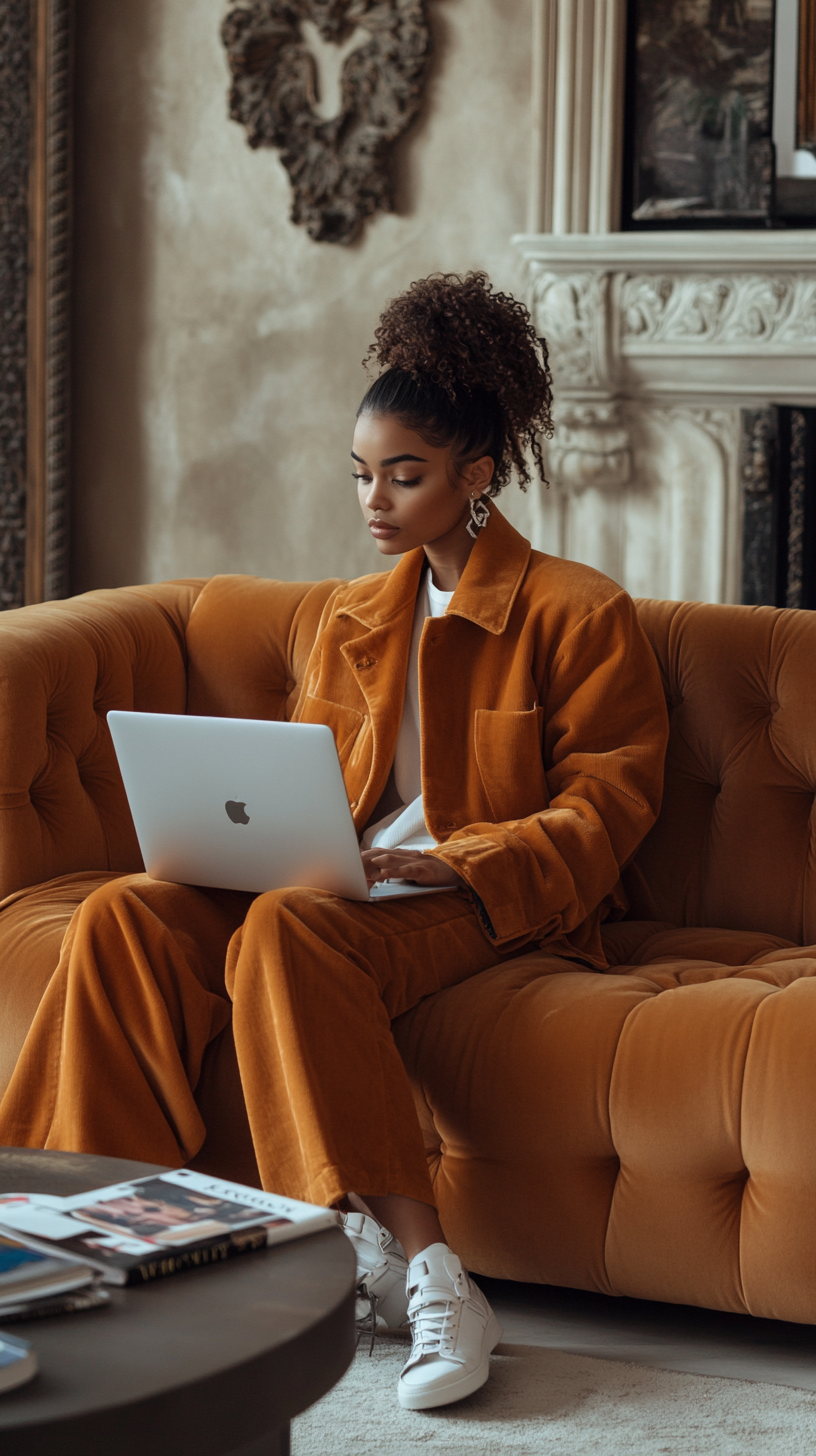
{"x": 485, "y": 595}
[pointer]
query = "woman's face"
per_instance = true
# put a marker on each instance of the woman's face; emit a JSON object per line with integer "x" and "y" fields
{"x": 409, "y": 492}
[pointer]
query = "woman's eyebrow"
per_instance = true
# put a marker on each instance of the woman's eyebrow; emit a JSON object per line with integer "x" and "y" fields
{"x": 392, "y": 459}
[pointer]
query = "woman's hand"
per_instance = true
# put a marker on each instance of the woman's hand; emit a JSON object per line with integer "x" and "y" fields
{"x": 409, "y": 864}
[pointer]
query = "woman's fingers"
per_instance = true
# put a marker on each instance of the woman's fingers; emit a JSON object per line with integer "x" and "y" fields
{"x": 391, "y": 864}
{"x": 402, "y": 864}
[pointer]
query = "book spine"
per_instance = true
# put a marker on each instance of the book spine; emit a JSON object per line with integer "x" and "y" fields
{"x": 215, "y": 1251}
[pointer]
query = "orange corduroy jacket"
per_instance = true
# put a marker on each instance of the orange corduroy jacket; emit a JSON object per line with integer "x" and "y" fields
{"x": 543, "y": 728}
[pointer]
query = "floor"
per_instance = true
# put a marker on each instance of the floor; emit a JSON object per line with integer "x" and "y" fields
{"x": 581, "y": 1374}
{"x": 545, "y": 1402}
{"x": 666, "y": 1337}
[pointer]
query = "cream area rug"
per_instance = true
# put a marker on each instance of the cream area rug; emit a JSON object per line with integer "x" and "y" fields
{"x": 541, "y": 1402}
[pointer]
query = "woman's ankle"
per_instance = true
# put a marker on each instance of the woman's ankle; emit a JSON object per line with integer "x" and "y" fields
{"x": 415, "y": 1225}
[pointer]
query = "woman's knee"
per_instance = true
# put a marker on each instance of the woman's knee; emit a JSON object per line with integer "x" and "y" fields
{"x": 126, "y": 896}
{"x": 158, "y": 914}
{"x": 290, "y": 929}
{"x": 293, "y": 904}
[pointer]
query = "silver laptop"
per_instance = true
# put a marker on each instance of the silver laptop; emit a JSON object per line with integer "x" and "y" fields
{"x": 242, "y": 804}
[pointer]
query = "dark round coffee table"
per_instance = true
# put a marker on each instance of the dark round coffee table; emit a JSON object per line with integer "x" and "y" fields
{"x": 205, "y": 1363}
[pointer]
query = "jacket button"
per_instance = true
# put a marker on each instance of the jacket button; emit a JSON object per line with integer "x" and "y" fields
{"x": 366, "y": 662}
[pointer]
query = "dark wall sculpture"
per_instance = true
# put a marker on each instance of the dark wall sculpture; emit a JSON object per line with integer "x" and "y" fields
{"x": 35, "y": 54}
{"x": 339, "y": 169}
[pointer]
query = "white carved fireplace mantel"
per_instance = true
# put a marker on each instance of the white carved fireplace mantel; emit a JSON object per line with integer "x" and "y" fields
{"x": 657, "y": 339}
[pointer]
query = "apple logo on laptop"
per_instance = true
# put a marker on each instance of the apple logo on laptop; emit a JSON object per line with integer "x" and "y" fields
{"x": 237, "y": 811}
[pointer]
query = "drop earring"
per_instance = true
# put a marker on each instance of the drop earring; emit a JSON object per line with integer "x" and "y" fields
{"x": 479, "y": 516}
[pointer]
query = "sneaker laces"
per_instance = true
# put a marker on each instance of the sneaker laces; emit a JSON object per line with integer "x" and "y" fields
{"x": 434, "y": 1317}
{"x": 367, "y": 1325}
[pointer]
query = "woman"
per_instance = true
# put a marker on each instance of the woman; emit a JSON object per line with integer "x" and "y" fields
{"x": 501, "y": 728}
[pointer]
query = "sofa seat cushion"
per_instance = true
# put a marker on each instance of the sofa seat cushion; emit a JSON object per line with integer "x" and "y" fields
{"x": 646, "y": 1131}
{"x": 646, "y": 942}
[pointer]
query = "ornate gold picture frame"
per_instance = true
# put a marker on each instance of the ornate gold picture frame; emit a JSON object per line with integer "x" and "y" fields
{"x": 35, "y": 193}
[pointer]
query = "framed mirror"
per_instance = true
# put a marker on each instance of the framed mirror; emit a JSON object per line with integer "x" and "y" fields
{"x": 35, "y": 196}
{"x": 721, "y": 114}
{"x": 699, "y": 147}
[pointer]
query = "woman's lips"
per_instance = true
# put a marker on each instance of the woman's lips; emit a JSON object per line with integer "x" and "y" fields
{"x": 381, "y": 530}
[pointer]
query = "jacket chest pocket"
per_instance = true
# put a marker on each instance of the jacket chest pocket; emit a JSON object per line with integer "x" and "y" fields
{"x": 508, "y": 753}
{"x": 345, "y": 723}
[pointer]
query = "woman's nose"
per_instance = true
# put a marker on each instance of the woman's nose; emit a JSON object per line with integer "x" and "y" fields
{"x": 376, "y": 499}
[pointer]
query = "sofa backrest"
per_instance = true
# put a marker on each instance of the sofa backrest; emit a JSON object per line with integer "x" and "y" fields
{"x": 735, "y": 844}
{"x": 63, "y": 666}
{"x": 248, "y": 643}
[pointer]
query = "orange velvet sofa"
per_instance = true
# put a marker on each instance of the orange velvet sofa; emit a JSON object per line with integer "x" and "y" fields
{"x": 649, "y": 1130}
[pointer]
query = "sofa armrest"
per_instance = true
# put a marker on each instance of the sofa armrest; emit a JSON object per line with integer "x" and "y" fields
{"x": 63, "y": 666}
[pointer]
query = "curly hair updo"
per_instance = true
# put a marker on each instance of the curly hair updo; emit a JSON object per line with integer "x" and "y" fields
{"x": 464, "y": 367}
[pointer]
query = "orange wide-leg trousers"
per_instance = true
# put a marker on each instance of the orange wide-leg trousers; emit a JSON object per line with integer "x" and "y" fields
{"x": 149, "y": 977}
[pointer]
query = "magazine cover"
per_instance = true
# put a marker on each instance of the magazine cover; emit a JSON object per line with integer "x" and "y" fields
{"x": 153, "y": 1226}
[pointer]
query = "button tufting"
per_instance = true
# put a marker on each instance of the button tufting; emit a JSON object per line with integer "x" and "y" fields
{"x": 290, "y": 683}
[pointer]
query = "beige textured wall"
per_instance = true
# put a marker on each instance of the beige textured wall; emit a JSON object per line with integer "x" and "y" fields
{"x": 218, "y": 349}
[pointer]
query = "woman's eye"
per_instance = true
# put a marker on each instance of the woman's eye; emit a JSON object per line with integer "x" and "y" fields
{"x": 415, "y": 481}
{"x": 359, "y": 477}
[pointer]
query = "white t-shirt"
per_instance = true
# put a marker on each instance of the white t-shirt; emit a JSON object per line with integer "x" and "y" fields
{"x": 405, "y": 828}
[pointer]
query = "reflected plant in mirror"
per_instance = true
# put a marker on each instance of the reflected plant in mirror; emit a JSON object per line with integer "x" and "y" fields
{"x": 699, "y": 148}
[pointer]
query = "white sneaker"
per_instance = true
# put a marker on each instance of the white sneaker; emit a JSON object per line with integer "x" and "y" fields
{"x": 454, "y": 1330}
{"x": 382, "y": 1269}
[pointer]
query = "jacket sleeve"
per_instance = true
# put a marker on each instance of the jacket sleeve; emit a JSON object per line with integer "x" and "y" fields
{"x": 605, "y": 736}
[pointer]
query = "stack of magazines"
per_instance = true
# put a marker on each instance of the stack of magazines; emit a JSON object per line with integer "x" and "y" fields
{"x": 56, "y": 1253}
{"x": 131, "y": 1232}
{"x": 33, "y": 1283}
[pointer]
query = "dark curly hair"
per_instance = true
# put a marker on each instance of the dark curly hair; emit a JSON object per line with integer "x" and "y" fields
{"x": 464, "y": 367}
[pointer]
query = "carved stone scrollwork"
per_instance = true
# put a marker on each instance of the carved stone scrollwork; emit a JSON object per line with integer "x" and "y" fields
{"x": 751, "y": 309}
{"x": 570, "y": 309}
{"x": 338, "y": 168}
{"x": 590, "y": 447}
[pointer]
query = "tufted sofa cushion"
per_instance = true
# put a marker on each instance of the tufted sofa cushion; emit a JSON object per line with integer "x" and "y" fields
{"x": 248, "y": 643}
{"x": 647, "y": 1131}
{"x": 735, "y": 843}
{"x": 63, "y": 666}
